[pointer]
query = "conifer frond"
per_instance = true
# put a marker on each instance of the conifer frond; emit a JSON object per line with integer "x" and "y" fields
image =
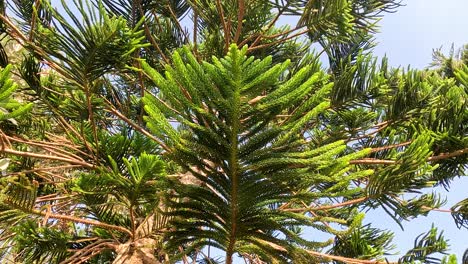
{"x": 365, "y": 241}
{"x": 246, "y": 163}
{"x": 424, "y": 246}
{"x": 134, "y": 188}
{"x": 460, "y": 213}
{"x": 43, "y": 244}
{"x": 9, "y": 107}
{"x": 87, "y": 50}
{"x": 269, "y": 156}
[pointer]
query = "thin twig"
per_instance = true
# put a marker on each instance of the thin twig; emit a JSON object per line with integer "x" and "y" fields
{"x": 344, "y": 259}
{"x": 195, "y": 33}
{"x": 46, "y": 146}
{"x": 328, "y": 207}
{"x": 137, "y": 127}
{"x": 42, "y": 156}
{"x": 372, "y": 161}
{"x": 227, "y": 33}
{"x": 370, "y": 134}
{"x": 82, "y": 221}
{"x": 449, "y": 155}
{"x": 43, "y": 169}
{"x": 240, "y": 18}
{"x": 268, "y": 27}
{"x": 433, "y": 158}
{"x": 266, "y": 45}
{"x": 153, "y": 42}
{"x": 391, "y": 146}
{"x": 173, "y": 15}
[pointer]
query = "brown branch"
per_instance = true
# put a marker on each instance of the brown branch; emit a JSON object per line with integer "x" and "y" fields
{"x": 173, "y": 15}
{"x": 82, "y": 255}
{"x": 227, "y": 33}
{"x": 49, "y": 199}
{"x": 4, "y": 141}
{"x": 92, "y": 120}
{"x": 240, "y": 18}
{"x": 391, "y": 146}
{"x": 403, "y": 202}
{"x": 33, "y": 19}
{"x": 81, "y": 221}
{"x": 152, "y": 40}
{"x": 51, "y": 177}
{"x": 284, "y": 33}
{"x": 330, "y": 257}
{"x": 63, "y": 142}
{"x": 437, "y": 209}
{"x": 65, "y": 125}
{"x": 433, "y": 158}
{"x": 195, "y": 33}
{"x": 278, "y": 41}
{"x": 328, "y": 207}
{"x": 42, "y": 156}
{"x": 43, "y": 169}
{"x": 49, "y": 146}
{"x": 384, "y": 125}
{"x": 137, "y": 127}
{"x": 372, "y": 161}
{"x": 268, "y": 27}
{"x": 16, "y": 34}
{"x": 449, "y": 155}
{"x": 344, "y": 259}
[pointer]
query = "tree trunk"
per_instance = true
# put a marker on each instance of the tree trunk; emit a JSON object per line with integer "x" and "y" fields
{"x": 137, "y": 252}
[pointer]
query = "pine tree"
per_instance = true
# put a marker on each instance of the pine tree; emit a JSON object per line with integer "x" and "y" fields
{"x": 157, "y": 130}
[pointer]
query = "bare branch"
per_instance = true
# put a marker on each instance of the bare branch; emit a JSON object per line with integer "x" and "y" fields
{"x": 227, "y": 32}
{"x": 42, "y": 156}
{"x": 328, "y": 207}
{"x": 81, "y": 220}
{"x": 240, "y": 18}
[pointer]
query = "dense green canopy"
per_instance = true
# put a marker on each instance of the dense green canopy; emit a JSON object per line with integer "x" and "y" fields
{"x": 153, "y": 131}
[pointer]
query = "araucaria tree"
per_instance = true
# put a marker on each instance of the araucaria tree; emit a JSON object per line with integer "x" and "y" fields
{"x": 154, "y": 131}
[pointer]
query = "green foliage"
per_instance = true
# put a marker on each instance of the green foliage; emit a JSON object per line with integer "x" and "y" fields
{"x": 460, "y": 213}
{"x": 265, "y": 150}
{"x": 19, "y": 192}
{"x": 452, "y": 259}
{"x": 9, "y": 107}
{"x": 110, "y": 196}
{"x": 90, "y": 49}
{"x": 238, "y": 149}
{"x": 41, "y": 244}
{"x": 30, "y": 14}
{"x": 365, "y": 242}
{"x": 425, "y": 245}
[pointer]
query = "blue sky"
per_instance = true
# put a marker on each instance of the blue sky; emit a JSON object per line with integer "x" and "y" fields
{"x": 408, "y": 38}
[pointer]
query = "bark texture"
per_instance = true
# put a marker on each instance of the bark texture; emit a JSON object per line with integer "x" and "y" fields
{"x": 141, "y": 251}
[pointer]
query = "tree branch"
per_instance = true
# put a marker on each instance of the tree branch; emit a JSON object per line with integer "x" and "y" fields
{"x": 240, "y": 18}
{"x": 327, "y": 207}
{"x": 449, "y": 155}
{"x": 433, "y": 158}
{"x": 346, "y": 260}
{"x": 227, "y": 33}
{"x": 137, "y": 127}
{"x": 42, "y": 156}
{"x": 81, "y": 220}
{"x": 278, "y": 41}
